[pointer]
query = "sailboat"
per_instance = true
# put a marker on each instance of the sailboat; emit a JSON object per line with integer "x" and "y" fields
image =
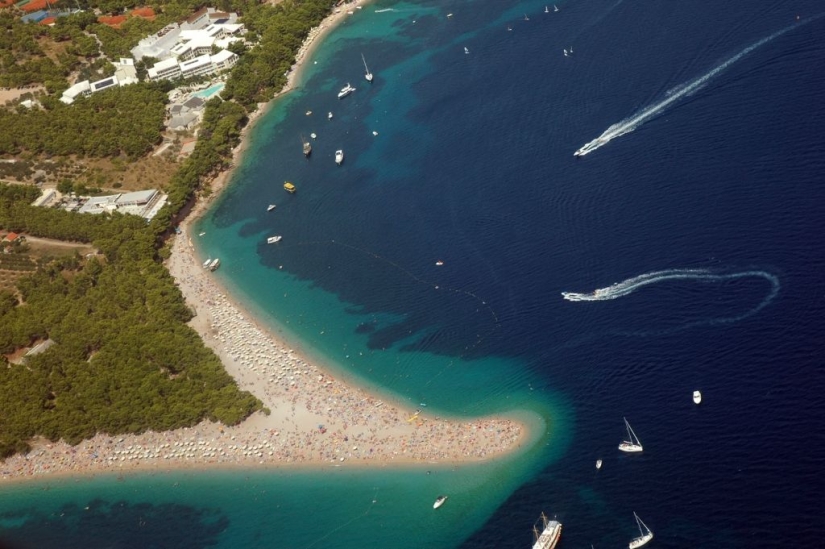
{"x": 367, "y": 74}
{"x": 645, "y": 535}
{"x": 633, "y": 445}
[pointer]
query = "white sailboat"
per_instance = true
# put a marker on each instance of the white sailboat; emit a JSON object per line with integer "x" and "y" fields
{"x": 367, "y": 74}
{"x": 645, "y": 535}
{"x": 634, "y": 445}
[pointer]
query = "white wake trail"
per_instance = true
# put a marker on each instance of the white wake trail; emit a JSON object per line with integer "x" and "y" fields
{"x": 629, "y": 124}
{"x": 630, "y": 285}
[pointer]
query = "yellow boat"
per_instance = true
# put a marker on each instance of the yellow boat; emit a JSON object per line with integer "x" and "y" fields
{"x": 289, "y": 187}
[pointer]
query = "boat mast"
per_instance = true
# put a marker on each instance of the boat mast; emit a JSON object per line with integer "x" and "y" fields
{"x": 639, "y": 523}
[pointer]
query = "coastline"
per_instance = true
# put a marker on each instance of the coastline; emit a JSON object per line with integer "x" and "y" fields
{"x": 316, "y": 420}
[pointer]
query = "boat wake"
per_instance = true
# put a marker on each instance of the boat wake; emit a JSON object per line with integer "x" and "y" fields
{"x": 627, "y": 287}
{"x": 634, "y": 121}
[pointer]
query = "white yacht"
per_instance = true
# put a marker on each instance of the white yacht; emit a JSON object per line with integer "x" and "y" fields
{"x": 274, "y": 239}
{"x": 367, "y": 74}
{"x": 697, "y": 397}
{"x": 549, "y": 535}
{"x": 598, "y": 464}
{"x": 345, "y": 91}
{"x": 270, "y": 207}
{"x": 644, "y": 535}
{"x": 439, "y": 501}
{"x": 634, "y": 445}
{"x": 339, "y": 156}
{"x": 329, "y": 114}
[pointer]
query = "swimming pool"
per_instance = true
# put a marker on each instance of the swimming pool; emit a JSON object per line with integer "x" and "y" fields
{"x": 210, "y": 91}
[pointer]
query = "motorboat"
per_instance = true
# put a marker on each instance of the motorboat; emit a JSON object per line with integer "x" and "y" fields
{"x": 634, "y": 445}
{"x": 345, "y": 91}
{"x": 274, "y": 239}
{"x": 214, "y": 264}
{"x": 598, "y": 464}
{"x": 549, "y": 535}
{"x": 207, "y": 262}
{"x": 289, "y": 187}
{"x": 313, "y": 135}
{"x": 645, "y": 535}
{"x": 697, "y": 397}
{"x": 466, "y": 50}
{"x": 270, "y": 207}
{"x": 339, "y": 156}
{"x": 374, "y": 132}
{"x": 439, "y": 501}
{"x": 329, "y": 115}
{"x": 439, "y": 263}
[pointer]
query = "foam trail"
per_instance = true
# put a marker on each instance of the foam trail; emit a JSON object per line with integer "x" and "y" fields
{"x": 630, "y": 285}
{"x": 629, "y": 124}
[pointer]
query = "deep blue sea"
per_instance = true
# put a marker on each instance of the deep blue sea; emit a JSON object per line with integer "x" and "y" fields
{"x": 700, "y": 220}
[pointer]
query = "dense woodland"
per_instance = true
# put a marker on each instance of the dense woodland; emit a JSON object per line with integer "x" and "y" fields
{"x": 124, "y": 361}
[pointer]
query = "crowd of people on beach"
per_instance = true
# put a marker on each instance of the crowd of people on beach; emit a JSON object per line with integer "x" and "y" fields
{"x": 314, "y": 418}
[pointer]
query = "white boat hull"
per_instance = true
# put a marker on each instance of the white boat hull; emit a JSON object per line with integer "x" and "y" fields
{"x": 635, "y": 543}
{"x": 630, "y": 448}
{"x": 697, "y": 397}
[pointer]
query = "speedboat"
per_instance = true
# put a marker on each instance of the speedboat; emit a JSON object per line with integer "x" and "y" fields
{"x": 439, "y": 501}
{"x": 274, "y": 239}
{"x": 345, "y": 91}
{"x": 339, "y": 156}
{"x": 270, "y": 207}
{"x": 697, "y": 397}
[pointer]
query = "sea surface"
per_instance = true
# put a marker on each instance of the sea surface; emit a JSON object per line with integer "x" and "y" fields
{"x": 699, "y": 218}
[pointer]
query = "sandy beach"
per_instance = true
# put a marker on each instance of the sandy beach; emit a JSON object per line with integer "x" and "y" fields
{"x": 316, "y": 419}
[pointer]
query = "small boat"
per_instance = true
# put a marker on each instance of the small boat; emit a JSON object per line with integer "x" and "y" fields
{"x": 644, "y": 535}
{"x": 339, "y": 156}
{"x": 374, "y": 132}
{"x": 697, "y": 397}
{"x": 598, "y": 464}
{"x": 439, "y": 501}
{"x": 549, "y": 535}
{"x": 289, "y": 187}
{"x": 307, "y": 147}
{"x": 555, "y": 7}
{"x": 634, "y": 445}
{"x": 214, "y": 264}
{"x": 466, "y": 50}
{"x": 313, "y": 135}
{"x": 345, "y": 91}
{"x": 546, "y": 9}
{"x": 201, "y": 233}
{"x": 270, "y": 207}
{"x": 367, "y": 74}
{"x": 207, "y": 262}
{"x": 329, "y": 115}
{"x": 565, "y": 53}
{"x": 439, "y": 263}
{"x": 309, "y": 113}
{"x": 274, "y": 239}
{"x": 526, "y": 18}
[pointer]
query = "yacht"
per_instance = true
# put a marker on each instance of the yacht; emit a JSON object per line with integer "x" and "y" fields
{"x": 329, "y": 114}
{"x": 214, "y": 264}
{"x": 632, "y": 446}
{"x": 697, "y": 397}
{"x": 345, "y": 91}
{"x": 339, "y": 156}
{"x": 367, "y": 74}
{"x": 549, "y": 535}
{"x": 273, "y": 239}
{"x": 270, "y": 207}
{"x": 645, "y": 534}
{"x": 307, "y": 147}
{"x": 439, "y": 501}
{"x": 207, "y": 262}
{"x": 598, "y": 464}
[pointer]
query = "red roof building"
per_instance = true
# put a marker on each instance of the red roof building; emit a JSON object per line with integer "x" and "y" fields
{"x": 35, "y": 5}
{"x": 48, "y": 21}
{"x": 11, "y": 237}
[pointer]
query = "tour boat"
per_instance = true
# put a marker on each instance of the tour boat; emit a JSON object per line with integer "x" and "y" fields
{"x": 273, "y": 239}
{"x": 289, "y": 187}
{"x": 644, "y": 535}
{"x": 270, "y": 207}
{"x": 345, "y": 91}
{"x": 339, "y": 156}
{"x": 697, "y": 397}
{"x": 634, "y": 445}
{"x": 439, "y": 501}
{"x": 367, "y": 74}
{"x": 549, "y": 535}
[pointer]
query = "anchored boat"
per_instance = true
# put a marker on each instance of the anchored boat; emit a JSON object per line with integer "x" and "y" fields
{"x": 549, "y": 535}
